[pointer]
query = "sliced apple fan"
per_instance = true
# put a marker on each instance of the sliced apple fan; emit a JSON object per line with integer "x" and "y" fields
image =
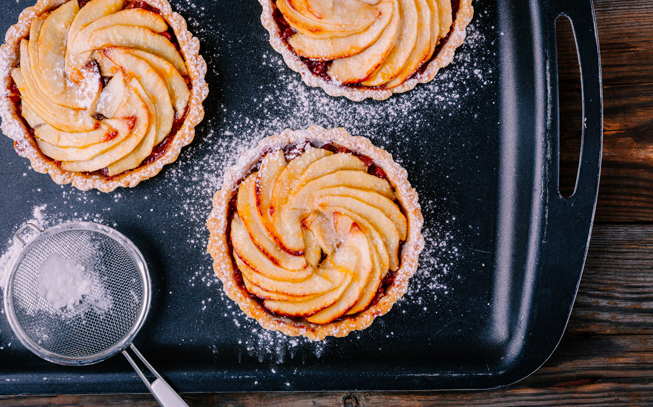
{"x": 292, "y": 214}
{"x": 79, "y": 121}
{"x": 374, "y": 43}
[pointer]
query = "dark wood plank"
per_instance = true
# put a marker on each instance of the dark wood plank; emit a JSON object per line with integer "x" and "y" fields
{"x": 605, "y": 357}
{"x": 626, "y": 191}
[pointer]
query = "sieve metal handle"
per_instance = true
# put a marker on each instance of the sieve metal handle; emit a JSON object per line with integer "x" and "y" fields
{"x": 159, "y": 388}
{"x": 23, "y": 229}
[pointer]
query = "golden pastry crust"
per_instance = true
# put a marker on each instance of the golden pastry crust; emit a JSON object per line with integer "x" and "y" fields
{"x": 25, "y": 145}
{"x": 221, "y": 250}
{"x": 358, "y": 93}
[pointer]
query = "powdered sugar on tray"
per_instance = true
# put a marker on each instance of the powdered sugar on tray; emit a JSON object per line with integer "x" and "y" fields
{"x": 289, "y": 103}
{"x": 294, "y": 105}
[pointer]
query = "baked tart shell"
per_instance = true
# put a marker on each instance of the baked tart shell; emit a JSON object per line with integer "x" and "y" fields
{"x": 358, "y": 93}
{"x": 25, "y": 145}
{"x": 220, "y": 247}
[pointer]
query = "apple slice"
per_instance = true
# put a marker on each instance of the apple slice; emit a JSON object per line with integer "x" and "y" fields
{"x": 46, "y": 55}
{"x": 271, "y": 166}
{"x": 110, "y": 100}
{"x": 144, "y": 148}
{"x": 446, "y": 17}
{"x": 289, "y": 240}
{"x": 134, "y": 107}
{"x": 328, "y": 165}
{"x": 93, "y": 11}
{"x": 310, "y": 306}
{"x": 80, "y": 49}
{"x": 322, "y": 231}
{"x": 376, "y": 240}
{"x": 371, "y": 288}
{"x": 270, "y": 295}
{"x": 341, "y": 21}
{"x": 356, "y": 242}
{"x": 58, "y": 116}
{"x": 139, "y": 38}
{"x": 32, "y": 48}
{"x": 322, "y": 9}
{"x": 375, "y": 217}
{"x": 290, "y": 175}
{"x": 52, "y": 47}
{"x": 247, "y": 210}
{"x": 107, "y": 67}
{"x": 318, "y": 283}
{"x": 302, "y": 201}
{"x": 111, "y": 96}
{"x": 342, "y": 225}
{"x": 72, "y": 98}
{"x": 300, "y": 198}
{"x": 328, "y": 49}
{"x": 312, "y": 249}
{"x": 31, "y": 118}
{"x": 321, "y": 167}
{"x": 177, "y": 88}
{"x": 109, "y": 130}
{"x": 154, "y": 87}
{"x": 388, "y": 207}
{"x": 136, "y": 17}
{"x": 404, "y": 46}
{"x": 339, "y": 12}
{"x": 356, "y": 68}
{"x": 422, "y": 45}
{"x": 111, "y": 138}
{"x": 435, "y": 27}
{"x": 258, "y": 261}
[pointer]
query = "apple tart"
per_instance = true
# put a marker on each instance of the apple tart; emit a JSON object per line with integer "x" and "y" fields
{"x": 315, "y": 232}
{"x": 101, "y": 93}
{"x": 366, "y": 48}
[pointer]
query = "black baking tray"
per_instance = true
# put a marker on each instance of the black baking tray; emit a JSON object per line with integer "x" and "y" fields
{"x": 504, "y": 253}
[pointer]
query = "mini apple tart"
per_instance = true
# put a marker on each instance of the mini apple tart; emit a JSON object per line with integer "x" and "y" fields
{"x": 315, "y": 232}
{"x": 366, "y": 48}
{"x": 101, "y": 93}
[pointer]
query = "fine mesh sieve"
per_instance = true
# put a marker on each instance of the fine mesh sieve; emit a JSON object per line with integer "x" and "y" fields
{"x": 108, "y": 317}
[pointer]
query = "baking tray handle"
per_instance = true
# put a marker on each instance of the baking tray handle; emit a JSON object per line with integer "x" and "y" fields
{"x": 573, "y": 216}
{"x": 563, "y": 253}
{"x": 581, "y": 14}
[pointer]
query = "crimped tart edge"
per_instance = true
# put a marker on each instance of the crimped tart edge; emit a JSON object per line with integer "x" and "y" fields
{"x": 220, "y": 251}
{"x": 24, "y": 144}
{"x": 357, "y": 94}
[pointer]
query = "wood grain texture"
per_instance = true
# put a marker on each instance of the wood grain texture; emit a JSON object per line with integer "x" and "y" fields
{"x": 606, "y": 355}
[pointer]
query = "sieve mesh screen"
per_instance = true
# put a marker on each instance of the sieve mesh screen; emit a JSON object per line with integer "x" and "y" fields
{"x": 104, "y": 317}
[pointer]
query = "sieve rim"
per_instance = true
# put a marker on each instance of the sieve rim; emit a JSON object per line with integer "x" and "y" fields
{"x": 120, "y": 345}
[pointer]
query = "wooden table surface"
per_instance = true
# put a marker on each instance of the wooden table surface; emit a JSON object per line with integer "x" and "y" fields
{"x": 606, "y": 354}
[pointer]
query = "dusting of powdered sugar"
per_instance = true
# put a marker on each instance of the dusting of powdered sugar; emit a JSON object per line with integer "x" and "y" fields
{"x": 98, "y": 301}
{"x": 289, "y": 103}
{"x": 227, "y": 132}
{"x": 275, "y": 347}
{"x": 74, "y": 304}
{"x": 44, "y": 216}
